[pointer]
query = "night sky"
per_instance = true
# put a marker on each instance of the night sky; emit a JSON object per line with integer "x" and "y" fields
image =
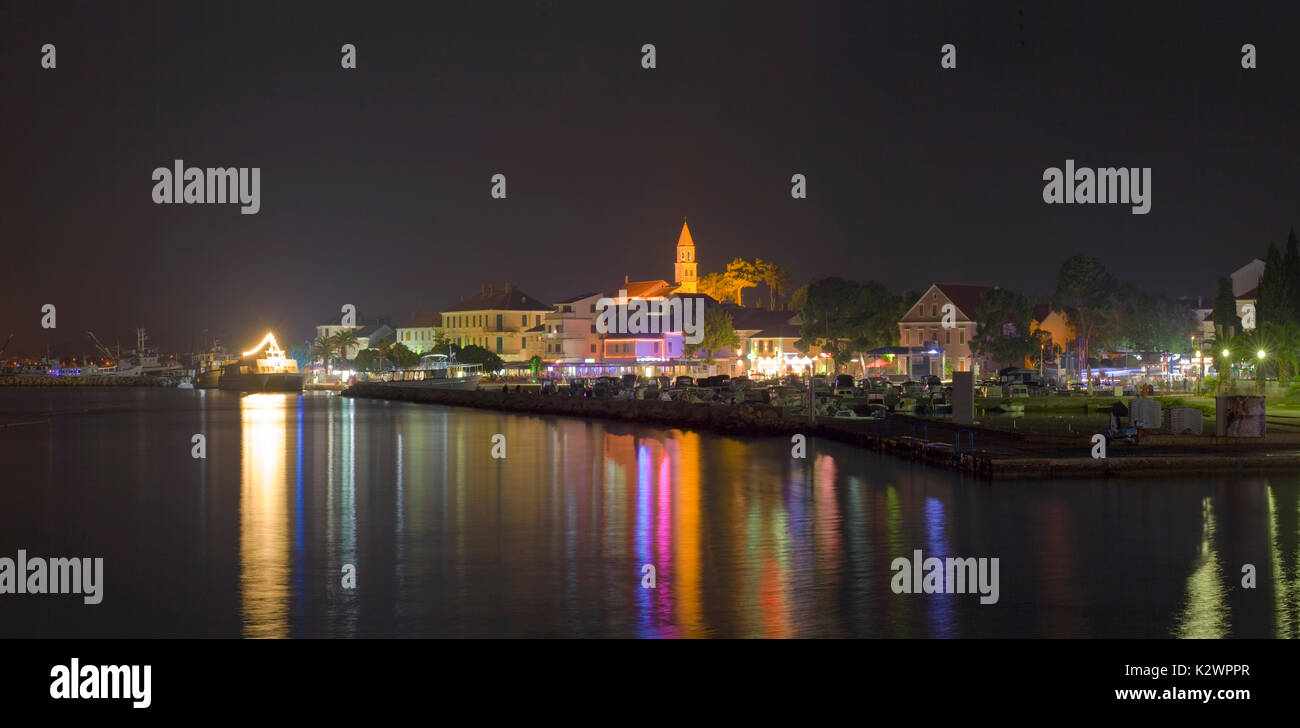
{"x": 375, "y": 181}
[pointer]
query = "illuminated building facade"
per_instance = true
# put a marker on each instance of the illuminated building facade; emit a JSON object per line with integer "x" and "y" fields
{"x": 420, "y": 331}
{"x": 501, "y": 320}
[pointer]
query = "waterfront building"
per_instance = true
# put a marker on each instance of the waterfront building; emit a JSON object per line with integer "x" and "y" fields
{"x": 569, "y": 334}
{"x": 368, "y": 336}
{"x": 767, "y": 341}
{"x": 501, "y": 320}
{"x": 927, "y": 346}
{"x": 419, "y": 332}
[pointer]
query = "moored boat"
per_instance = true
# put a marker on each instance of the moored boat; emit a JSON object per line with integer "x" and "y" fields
{"x": 269, "y": 372}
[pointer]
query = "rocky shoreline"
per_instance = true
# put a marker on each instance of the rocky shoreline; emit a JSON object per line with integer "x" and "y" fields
{"x": 988, "y": 454}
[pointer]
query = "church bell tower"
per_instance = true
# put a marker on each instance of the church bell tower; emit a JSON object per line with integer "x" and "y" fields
{"x": 684, "y": 267}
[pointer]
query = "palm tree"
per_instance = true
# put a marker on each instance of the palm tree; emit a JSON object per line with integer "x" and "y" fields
{"x": 777, "y": 279}
{"x": 322, "y": 348}
{"x": 345, "y": 341}
{"x": 383, "y": 348}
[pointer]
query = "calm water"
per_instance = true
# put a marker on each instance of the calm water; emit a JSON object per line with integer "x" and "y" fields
{"x": 550, "y": 541}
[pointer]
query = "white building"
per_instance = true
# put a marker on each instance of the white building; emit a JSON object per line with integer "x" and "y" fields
{"x": 570, "y": 331}
{"x": 420, "y": 331}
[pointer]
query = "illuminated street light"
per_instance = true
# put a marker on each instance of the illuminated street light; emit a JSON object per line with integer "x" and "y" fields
{"x": 1227, "y": 353}
{"x": 1260, "y": 353}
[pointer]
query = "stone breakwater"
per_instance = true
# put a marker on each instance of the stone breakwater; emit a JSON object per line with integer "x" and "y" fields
{"x": 723, "y": 419}
{"x": 986, "y": 453}
{"x": 87, "y": 381}
{"x": 739, "y": 420}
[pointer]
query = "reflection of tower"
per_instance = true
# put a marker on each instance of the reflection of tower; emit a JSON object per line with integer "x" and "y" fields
{"x": 684, "y": 267}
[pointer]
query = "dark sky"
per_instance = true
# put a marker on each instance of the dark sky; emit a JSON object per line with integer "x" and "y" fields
{"x": 375, "y": 181}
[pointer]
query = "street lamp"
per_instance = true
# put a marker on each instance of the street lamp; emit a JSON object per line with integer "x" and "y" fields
{"x": 1260, "y": 354}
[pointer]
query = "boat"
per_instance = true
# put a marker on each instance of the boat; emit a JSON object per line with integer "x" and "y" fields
{"x": 140, "y": 362}
{"x": 207, "y": 370}
{"x": 262, "y": 369}
{"x": 441, "y": 372}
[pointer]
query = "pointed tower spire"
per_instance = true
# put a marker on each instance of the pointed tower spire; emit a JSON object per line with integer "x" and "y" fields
{"x": 684, "y": 265}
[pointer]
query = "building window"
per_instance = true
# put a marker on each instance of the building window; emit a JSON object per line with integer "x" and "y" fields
{"x": 523, "y": 342}
{"x": 961, "y": 336}
{"x": 593, "y": 348}
{"x": 498, "y": 344}
{"x": 947, "y": 337}
{"x": 934, "y": 310}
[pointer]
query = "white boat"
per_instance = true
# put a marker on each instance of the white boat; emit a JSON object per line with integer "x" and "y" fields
{"x": 141, "y": 362}
{"x": 438, "y": 371}
{"x": 265, "y": 368}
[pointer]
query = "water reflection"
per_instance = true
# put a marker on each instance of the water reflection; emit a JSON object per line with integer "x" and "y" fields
{"x": 264, "y": 517}
{"x": 552, "y": 539}
{"x": 744, "y": 541}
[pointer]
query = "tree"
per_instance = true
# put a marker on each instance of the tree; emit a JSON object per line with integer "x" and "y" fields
{"x": 1151, "y": 323}
{"x": 719, "y": 333}
{"x": 841, "y": 318}
{"x": 365, "y": 360}
{"x": 1226, "y": 321}
{"x": 344, "y": 340}
{"x": 1281, "y": 343}
{"x": 1291, "y": 263}
{"x": 1274, "y": 303}
{"x": 322, "y": 349}
{"x": 777, "y": 279}
{"x": 403, "y": 358}
{"x": 300, "y": 353}
{"x": 474, "y": 354}
{"x": 1085, "y": 294}
{"x": 535, "y": 365}
{"x": 718, "y": 286}
{"x": 383, "y": 350}
{"x": 798, "y": 298}
{"x": 745, "y": 275}
{"x": 1003, "y": 327}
